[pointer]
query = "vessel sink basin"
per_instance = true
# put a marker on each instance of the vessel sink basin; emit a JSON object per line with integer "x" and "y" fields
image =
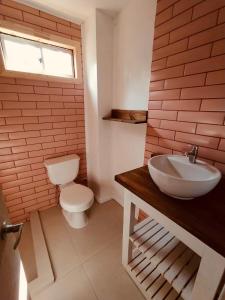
{"x": 177, "y": 177}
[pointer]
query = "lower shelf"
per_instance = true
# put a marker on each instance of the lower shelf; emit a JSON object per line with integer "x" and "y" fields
{"x": 149, "y": 280}
{"x": 163, "y": 266}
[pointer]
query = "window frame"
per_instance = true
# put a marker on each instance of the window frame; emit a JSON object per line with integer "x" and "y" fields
{"x": 10, "y": 28}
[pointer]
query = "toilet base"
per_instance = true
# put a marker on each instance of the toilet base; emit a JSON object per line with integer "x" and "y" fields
{"x": 76, "y": 220}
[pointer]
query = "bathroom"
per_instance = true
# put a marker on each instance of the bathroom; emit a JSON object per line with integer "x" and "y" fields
{"x": 98, "y": 99}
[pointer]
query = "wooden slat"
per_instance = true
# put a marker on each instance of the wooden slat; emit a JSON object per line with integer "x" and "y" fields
{"x": 173, "y": 295}
{"x": 140, "y": 233}
{"x": 162, "y": 292}
{"x": 145, "y": 237}
{"x": 141, "y": 224}
{"x": 163, "y": 252}
{"x": 171, "y": 258}
{"x": 144, "y": 274}
{"x": 185, "y": 275}
{"x": 186, "y": 293}
{"x": 138, "y": 269}
{"x": 156, "y": 286}
{"x": 149, "y": 280}
{"x": 175, "y": 269}
{"x": 159, "y": 245}
{"x": 153, "y": 240}
{"x": 136, "y": 261}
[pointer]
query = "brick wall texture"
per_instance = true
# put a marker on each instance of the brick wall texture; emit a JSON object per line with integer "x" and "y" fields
{"x": 187, "y": 89}
{"x": 38, "y": 120}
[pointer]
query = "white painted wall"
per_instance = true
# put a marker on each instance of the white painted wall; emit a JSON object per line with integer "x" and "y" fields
{"x": 91, "y": 100}
{"x": 133, "y": 40}
{"x": 104, "y": 35}
{"x": 98, "y": 58}
{"x": 117, "y": 54}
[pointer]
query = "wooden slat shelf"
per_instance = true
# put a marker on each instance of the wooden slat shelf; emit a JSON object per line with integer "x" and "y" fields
{"x": 127, "y": 116}
{"x": 162, "y": 262}
{"x": 149, "y": 280}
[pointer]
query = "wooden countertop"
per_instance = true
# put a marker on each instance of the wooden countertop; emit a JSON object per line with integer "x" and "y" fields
{"x": 203, "y": 217}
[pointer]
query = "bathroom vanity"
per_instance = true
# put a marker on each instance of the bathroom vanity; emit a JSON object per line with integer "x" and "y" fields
{"x": 178, "y": 252}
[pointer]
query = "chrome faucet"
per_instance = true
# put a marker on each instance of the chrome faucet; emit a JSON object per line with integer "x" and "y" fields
{"x": 192, "y": 155}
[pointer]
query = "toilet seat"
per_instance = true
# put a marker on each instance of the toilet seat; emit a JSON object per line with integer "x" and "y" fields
{"x": 76, "y": 197}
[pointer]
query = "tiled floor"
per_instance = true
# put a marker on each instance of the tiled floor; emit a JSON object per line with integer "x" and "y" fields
{"x": 87, "y": 262}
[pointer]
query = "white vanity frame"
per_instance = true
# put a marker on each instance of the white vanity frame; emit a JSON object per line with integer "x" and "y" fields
{"x": 212, "y": 264}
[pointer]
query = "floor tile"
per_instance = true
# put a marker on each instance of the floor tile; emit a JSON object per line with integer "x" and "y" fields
{"x": 105, "y": 223}
{"x": 109, "y": 279}
{"x": 74, "y": 286}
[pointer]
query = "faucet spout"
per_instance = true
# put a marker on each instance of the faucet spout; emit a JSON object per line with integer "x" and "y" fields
{"x": 192, "y": 155}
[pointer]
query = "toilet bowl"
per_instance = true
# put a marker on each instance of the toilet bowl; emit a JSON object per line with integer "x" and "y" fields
{"x": 75, "y": 199}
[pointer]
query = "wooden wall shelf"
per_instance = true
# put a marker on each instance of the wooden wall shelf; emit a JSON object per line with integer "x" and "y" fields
{"x": 128, "y": 116}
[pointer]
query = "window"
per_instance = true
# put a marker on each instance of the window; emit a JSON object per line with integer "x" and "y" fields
{"x": 29, "y": 54}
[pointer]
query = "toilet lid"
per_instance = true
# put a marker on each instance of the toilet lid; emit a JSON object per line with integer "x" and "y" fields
{"x": 76, "y": 197}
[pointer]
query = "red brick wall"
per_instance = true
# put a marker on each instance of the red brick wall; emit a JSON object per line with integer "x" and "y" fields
{"x": 38, "y": 119}
{"x": 187, "y": 89}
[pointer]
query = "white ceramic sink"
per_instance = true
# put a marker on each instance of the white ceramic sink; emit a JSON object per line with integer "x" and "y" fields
{"x": 179, "y": 178}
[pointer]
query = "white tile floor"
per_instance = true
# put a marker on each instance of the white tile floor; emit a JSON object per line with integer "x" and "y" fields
{"x": 87, "y": 262}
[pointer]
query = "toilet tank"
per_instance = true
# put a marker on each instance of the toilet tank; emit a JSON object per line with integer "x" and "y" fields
{"x": 62, "y": 170}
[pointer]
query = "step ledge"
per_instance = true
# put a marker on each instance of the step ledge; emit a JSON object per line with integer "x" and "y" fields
{"x": 45, "y": 275}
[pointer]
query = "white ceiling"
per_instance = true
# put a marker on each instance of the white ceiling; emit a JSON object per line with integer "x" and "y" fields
{"x": 76, "y": 10}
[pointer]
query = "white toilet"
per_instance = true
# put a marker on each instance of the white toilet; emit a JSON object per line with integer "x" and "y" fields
{"x": 75, "y": 199}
